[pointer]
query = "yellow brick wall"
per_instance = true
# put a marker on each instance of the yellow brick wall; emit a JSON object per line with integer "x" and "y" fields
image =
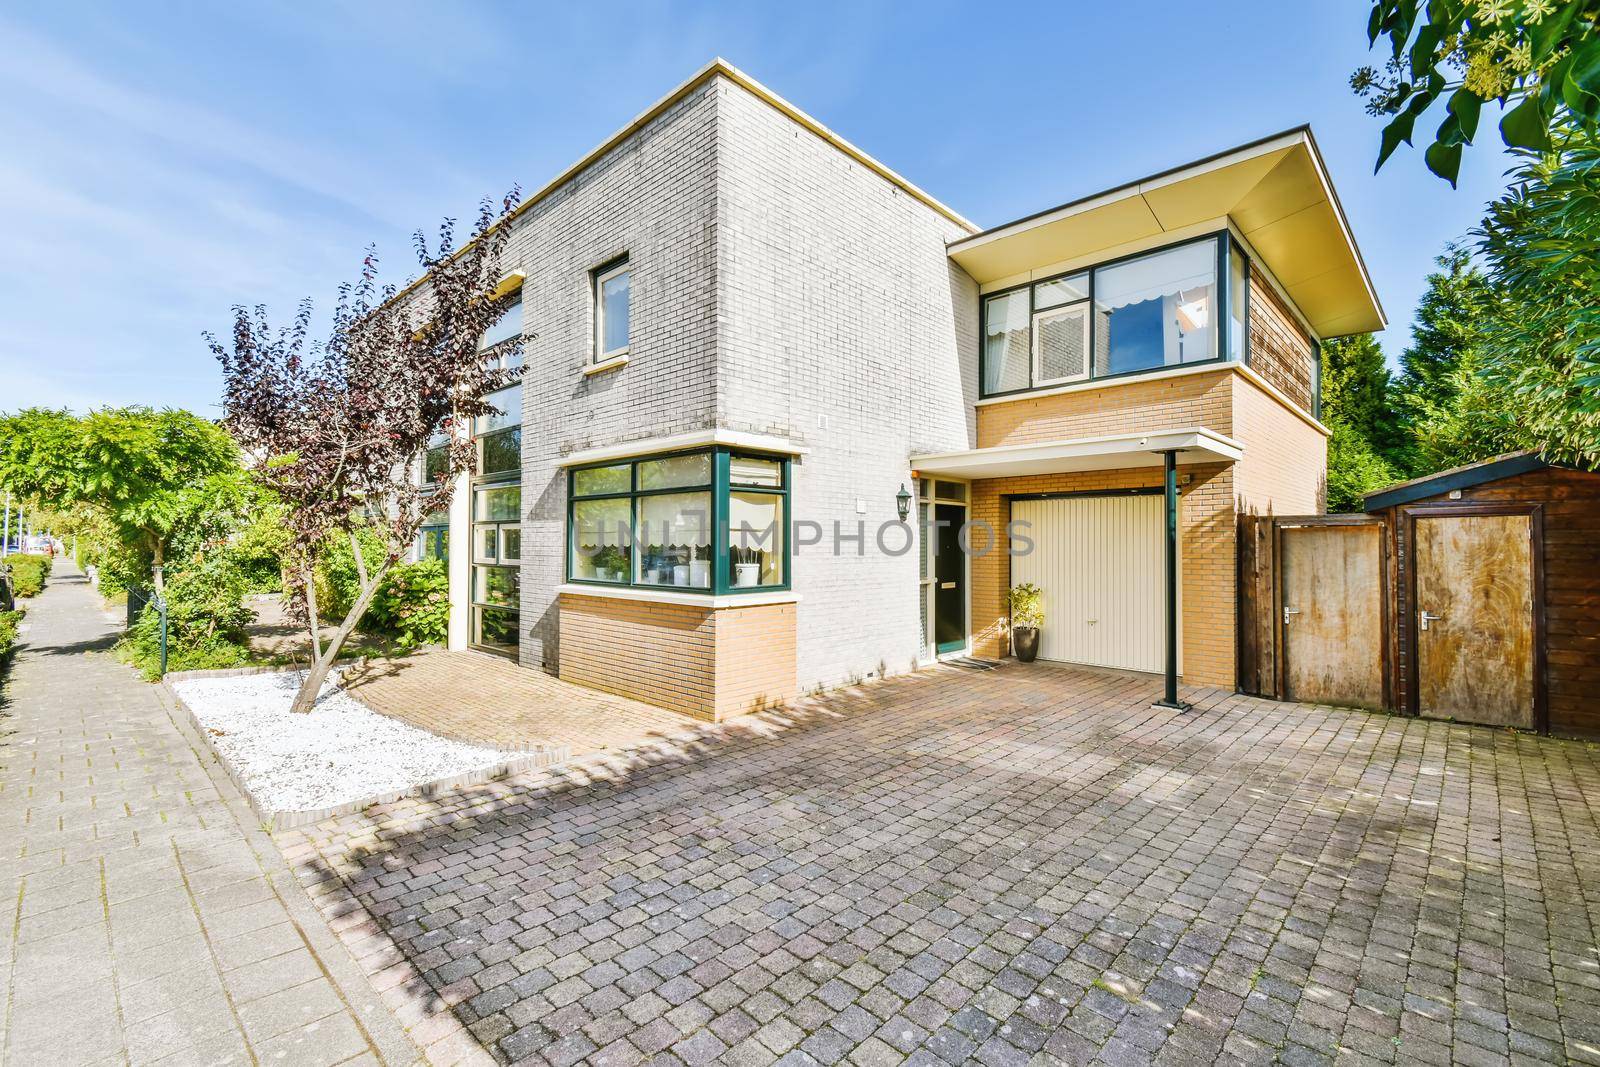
{"x": 1285, "y": 466}
{"x": 1201, "y": 399}
{"x": 709, "y": 663}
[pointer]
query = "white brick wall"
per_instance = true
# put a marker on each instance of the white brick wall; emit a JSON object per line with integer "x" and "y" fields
{"x": 837, "y": 301}
{"x": 776, "y": 282}
{"x": 653, "y": 197}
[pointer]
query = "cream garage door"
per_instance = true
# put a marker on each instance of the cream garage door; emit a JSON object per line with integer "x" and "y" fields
{"x": 1098, "y": 562}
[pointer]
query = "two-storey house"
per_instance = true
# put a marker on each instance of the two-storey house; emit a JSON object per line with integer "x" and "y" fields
{"x": 780, "y": 407}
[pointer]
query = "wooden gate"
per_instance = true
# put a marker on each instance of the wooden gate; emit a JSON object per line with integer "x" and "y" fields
{"x": 1314, "y": 609}
{"x": 1474, "y": 630}
{"x": 1332, "y": 635}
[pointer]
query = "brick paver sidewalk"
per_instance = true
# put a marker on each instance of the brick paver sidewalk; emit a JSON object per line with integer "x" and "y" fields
{"x": 146, "y": 919}
{"x": 1026, "y": 865}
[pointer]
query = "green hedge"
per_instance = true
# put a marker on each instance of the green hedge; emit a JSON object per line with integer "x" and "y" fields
{"x": 8, "y": 634}
{"x": 206, "y": 619}
{"x": 28, "y": 572}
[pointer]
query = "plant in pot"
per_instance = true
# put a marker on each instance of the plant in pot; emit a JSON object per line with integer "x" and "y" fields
{"x": 700, "y": 567}
{"x": 611, "y": 563}
{"x": 746, "y": 566}
{"x": 1027, "y": 615}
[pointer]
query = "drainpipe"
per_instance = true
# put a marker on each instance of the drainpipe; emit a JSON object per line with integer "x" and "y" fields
{"x": 1170, "y": 696}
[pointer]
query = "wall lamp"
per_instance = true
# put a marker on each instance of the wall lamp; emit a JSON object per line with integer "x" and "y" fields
{"x": 902, "y": 502}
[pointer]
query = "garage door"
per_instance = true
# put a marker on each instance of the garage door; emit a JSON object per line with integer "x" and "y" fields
{"x": 1098, "y": 561}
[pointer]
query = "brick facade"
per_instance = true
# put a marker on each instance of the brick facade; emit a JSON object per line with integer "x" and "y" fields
{"x": 709, "y": 662}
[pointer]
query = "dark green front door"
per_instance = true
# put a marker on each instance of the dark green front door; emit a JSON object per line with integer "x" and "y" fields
{"x": 949, "y": 580}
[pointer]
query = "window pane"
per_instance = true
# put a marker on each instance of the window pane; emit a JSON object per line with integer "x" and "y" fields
{"x": 950, "y": 491}
{"x": 614, "y": 312}
{"x": 509, "y": 325}
{"x": 436, "y": 517}
{"x": 486, "y": 543}
{"x": 597, "y": 480}
{"x": 508, "y": 402}
{"x": 500, "y": 504}
{"x": 1061, "y": 291}
{"x": 434, "y": 543}
{"x": 674, "y": 471}
{"x": 496, "y": 585}
{"x": 510, "y": 544}
{"x": 1005, "y": 342}
{"x": 755, "y": 539}
{"x": 675, "y": 539}
{"x": 435, "y": 463}
{"x": 602, "y": 540}
{"x": 1238, "y": 297}
{"x": 745, "y": 470}
{"x": 500, "y": 453}
{"x": 495, "y": 628}
{"x": 1061, "y": 344}
{"x": 1158, "y": 310}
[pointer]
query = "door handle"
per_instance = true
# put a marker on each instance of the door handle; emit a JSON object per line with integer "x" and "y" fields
{"x": 1428, "y": 617}
{"x": 947, "y": 585}
{"x": 1287, "y": 612}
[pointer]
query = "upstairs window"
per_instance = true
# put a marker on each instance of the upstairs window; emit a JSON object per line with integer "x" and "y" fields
{"x": 613, "y": 286}
{"x": 1170, "y": 307}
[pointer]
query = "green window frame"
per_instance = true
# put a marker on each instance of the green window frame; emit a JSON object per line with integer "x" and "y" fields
{"x": 1228, "y": 248}
{"x": 738, "y": 483}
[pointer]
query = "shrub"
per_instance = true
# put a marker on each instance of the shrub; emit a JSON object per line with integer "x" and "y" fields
{"x": 338, "y": 582}
{"x": 8, "y": 634}
{"x": 413, "y": 604}
{"x": 1027, "y": 605}
{"x": 28, "y": 572}
{"x": 206, "y": 619}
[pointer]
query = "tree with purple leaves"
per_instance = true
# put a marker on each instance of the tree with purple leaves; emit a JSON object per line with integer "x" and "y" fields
{"x": 335, "y": 429}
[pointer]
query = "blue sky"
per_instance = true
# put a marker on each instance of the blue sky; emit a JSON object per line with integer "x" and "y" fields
{"x": 162, "y": 163}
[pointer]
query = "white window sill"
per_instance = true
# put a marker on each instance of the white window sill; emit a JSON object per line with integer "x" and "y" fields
{"x": 664, "y": 596}
{"x": 609, "y": 363}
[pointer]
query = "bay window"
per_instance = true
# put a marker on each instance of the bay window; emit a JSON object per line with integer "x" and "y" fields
{"x": 1153, "y": 310}
{"x": 710, "y": 520}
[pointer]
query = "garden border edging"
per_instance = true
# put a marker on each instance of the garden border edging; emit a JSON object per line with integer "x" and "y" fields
{"x": 543, "y": 757}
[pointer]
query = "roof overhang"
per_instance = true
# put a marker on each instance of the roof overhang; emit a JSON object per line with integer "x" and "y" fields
{"x": 753, "y": 442}
{"x": 1276, "y": 192}
{"x": 1193, "y": 445}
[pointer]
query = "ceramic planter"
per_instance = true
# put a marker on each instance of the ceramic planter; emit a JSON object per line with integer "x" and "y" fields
{"x": 1025, "y": 643}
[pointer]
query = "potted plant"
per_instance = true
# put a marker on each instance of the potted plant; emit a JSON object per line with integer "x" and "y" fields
{"x": 700, "y": 567}
{"x": 746, "y": 566}
{"x": 1027, "y": 615}
{"x": 611, "y": 563}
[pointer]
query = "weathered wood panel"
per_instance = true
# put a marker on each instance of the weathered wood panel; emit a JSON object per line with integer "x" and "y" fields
{"x": 1258, "y": 670}
{"x": 1333, "y": 604}
{"x": 1475, "y": 628}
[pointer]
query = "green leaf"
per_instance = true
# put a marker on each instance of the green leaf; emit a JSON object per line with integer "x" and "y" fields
{"x": 1464, "y": 107}
{"x": 1525, "y": 125}
{"x": 1581, "y": 86}
{"x": 1400, "y": 127}
{"x": 1444, "y": 160}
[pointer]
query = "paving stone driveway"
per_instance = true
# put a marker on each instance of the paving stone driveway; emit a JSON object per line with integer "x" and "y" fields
{"x": 1028, "y": 864}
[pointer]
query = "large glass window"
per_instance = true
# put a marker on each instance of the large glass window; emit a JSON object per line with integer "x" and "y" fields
{"x": 613, "y": 287}
{"x": 1161, "y": 309}
{"x": 1154, "y": 310}
{"x": 496, "y": 572}
{"x": 703, "y": 521}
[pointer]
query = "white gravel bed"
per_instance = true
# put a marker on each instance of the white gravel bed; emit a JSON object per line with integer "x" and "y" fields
{"x": 338, "y": 752}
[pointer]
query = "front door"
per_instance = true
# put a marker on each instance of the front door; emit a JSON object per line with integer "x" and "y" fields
{"x": 949, "y": 579}
{"x": 1474, "y": 618}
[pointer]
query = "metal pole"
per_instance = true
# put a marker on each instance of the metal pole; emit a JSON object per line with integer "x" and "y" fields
{"x": 1170, "y": 696}
{"x": 5, "y": 538}
{"x": 161, "y": 606}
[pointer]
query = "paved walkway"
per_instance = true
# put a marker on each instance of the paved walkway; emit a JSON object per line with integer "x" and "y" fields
{"x": 147, "y": 920}
{"x": 488, "y": 699}
{"x": 1029, "y": 864}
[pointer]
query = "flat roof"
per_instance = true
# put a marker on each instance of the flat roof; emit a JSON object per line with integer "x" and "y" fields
{"x": 1464, "y": 477}
{"x": 1275, "y": 190}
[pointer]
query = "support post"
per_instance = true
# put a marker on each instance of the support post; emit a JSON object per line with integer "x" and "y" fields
{"x": 1170, "y": 695}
